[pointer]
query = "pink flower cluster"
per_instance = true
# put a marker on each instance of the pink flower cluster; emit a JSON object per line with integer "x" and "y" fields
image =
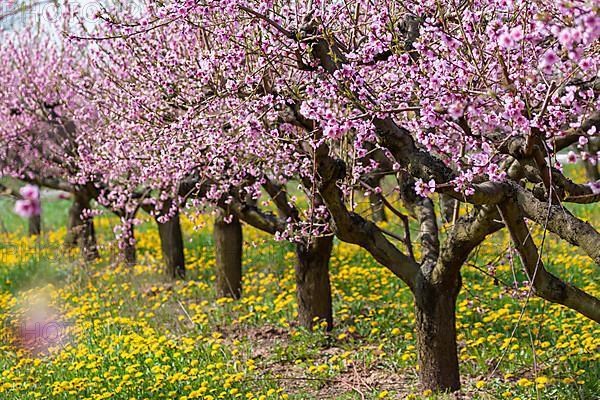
{"x": 424, "y": 189}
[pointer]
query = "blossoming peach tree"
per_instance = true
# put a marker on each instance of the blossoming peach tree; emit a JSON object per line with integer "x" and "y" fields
{"x": 40, "y": 145}
{"x": 184, "y": 148}
{"x": 48, "y": 131}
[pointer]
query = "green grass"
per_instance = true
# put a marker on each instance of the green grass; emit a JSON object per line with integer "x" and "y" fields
{"x": 135, "y": 334}
{"x": 54, "y": 216}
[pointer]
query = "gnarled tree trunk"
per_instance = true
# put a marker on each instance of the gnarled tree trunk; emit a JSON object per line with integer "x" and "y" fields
{"x": 80, "y": 230}
{"x": 435, "y": 311}
{"x": 228, "y": 248}
{"x": 171, "y": 242}
{"x": 313, "y": 287}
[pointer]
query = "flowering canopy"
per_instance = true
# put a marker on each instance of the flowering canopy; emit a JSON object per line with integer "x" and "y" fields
{"x": 463, "y": 80}
{"x": 454, "y": 98}
{"x": 236, "y": 92}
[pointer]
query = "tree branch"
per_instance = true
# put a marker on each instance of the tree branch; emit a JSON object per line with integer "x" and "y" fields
{"x": 561, "y": 222}
{"x": 352, "y": 228}
{"x": 468, "y": 233}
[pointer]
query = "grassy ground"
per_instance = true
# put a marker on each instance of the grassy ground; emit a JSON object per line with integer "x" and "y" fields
{"x": 131, "y": 334}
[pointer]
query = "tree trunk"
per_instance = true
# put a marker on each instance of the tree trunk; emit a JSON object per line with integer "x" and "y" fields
{"x": 74, "y": 224}
{"x": 129, "y": 252}
{"x": 35, "y": 225}
{"x": 171, "y": 241}
{"x": 80, "y": 231}
{"x": 313, "y": 288}
{"x": 228, "y": 247}
{"x": 435, "y": 311}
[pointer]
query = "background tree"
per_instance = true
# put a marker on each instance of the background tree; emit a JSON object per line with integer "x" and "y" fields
{"x": 217, "y": 168}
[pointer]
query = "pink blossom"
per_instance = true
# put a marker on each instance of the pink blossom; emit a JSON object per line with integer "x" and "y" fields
{"x": 549, "y": 59}
{"x": 505, "y": 40}
{"x": 517, "y": 34}
{"x": 586, "y": 64}
{"x": 27, "y": 208}
{"x": 30, "y": 192}
{"x": 583, "y": 140}
{"x": 571, "y": 157}
{"x": 456, "y": 110}
{"x": 30, "y": 205}
{"x": 565, "y": 37}
{"x": 595, "y": 186}
{"x": 558, "y": 166}
{"x": 424, "y": 189}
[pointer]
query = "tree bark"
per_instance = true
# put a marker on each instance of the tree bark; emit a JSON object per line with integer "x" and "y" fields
{"x": 171, "y": 241}
{"x": 129, "y": 251}
{"x": 35, "y": 225}
{"x": 228, "y": 247}
{"x": 81, "y": 231}
{"x": 313, "y": 288}
{"x": 561, "y": 222}
{"x": 436, "y": 338}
